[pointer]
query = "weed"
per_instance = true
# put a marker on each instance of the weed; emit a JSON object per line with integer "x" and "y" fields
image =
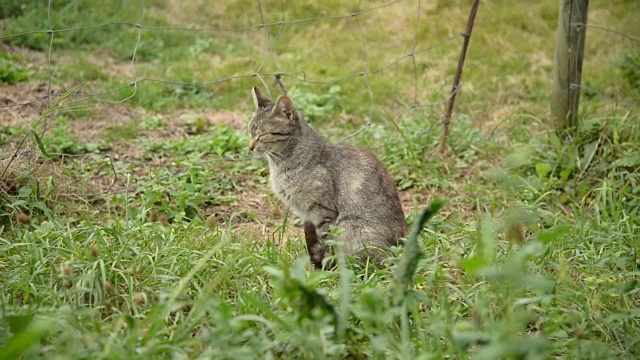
{"x": 10, "y": 71}
{"x": 60, "y": 140}
{"x": 317, "y": 106}
{"x": 9, "y": 133}
{"x": 126, "y": 131}
{"x": 630, "y": 68}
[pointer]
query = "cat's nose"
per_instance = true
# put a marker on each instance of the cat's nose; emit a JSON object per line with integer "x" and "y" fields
{"x": 252, "y": 144}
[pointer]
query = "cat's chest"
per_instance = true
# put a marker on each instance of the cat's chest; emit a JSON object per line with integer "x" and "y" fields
{"x": 288, "y": 186}
{"x": 297, "y": 189}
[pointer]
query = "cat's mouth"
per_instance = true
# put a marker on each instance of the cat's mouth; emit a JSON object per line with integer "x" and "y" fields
{"x": 255, "y": 148}
{"x": 264, "y": 150}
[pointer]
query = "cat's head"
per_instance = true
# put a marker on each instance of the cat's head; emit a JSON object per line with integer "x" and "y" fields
{"x": 273, "y": 125}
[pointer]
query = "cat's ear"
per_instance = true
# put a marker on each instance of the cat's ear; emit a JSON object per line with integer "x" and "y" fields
{"x": 285, "y": 106}
{"x": 258, "y": 99}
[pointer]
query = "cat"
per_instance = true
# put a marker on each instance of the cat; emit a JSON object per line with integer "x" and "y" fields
{"x": 326, "y": 184}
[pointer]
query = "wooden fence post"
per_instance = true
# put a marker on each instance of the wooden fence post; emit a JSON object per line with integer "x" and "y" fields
{"x": 572, "y": 26}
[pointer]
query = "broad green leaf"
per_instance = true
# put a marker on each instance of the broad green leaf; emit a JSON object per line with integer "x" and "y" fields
{"x": 543, "y": 169}
{"x": 557, "y": 233}
{"x": 631, "y": 160}
{"x": 589, "y": 152}
{"x": 28, "y": 333}
{"x": 25, "y": 191}
{"x": 474, "y": 264}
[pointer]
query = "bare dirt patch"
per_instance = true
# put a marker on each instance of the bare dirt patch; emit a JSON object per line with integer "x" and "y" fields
{"x": 103, "y": 117}
{"x": 23, "y": 103}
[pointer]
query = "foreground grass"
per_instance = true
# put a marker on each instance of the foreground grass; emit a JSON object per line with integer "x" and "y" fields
{"x": 534, "y": 254}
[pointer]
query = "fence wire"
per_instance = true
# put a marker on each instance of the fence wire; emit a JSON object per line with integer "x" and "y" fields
{"x": 279, "y": 79}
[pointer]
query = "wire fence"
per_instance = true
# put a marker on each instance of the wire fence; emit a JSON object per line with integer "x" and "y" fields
{"x": 270, "y": 79}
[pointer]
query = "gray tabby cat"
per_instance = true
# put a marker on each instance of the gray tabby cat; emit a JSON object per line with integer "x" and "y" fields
{"x": 326, "y": 184}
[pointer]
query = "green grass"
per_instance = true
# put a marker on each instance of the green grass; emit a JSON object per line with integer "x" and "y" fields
{"x": 11, "y": 72}
{"x": 179, "y": 254}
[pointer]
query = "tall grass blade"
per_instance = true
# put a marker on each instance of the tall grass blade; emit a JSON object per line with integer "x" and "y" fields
{"x": 411, "y": 254}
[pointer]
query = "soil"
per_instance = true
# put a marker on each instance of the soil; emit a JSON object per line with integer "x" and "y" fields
{"x": 22, "y": 103}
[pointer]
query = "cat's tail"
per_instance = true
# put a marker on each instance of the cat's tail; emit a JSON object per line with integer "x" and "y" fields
{"x": 317, "y": 250}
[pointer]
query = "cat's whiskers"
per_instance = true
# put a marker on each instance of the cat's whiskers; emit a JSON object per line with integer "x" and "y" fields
{"x": 273, "y": 155}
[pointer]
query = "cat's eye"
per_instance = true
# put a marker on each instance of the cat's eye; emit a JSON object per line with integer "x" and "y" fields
{"x": 273, "y": 137}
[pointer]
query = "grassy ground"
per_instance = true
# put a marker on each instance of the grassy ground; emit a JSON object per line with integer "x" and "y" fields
{"x": 140, "y": 229}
